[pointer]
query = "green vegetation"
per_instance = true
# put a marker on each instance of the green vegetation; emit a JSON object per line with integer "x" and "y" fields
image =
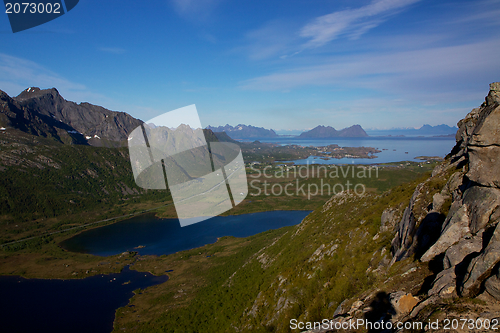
{"x": 50, "y": 187}
{"x": 259, "y": 283}
{"x": 311, "y": 186}
{"x": 72, "y": 179}
{"x": 47, "y": 186}
{"x": 256, "y": 283}
{"x": 269, "y": 152}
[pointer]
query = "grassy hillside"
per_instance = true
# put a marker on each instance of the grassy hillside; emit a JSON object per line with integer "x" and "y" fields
{"x": 258, "y": 284}
{"x": 46, "y": 186}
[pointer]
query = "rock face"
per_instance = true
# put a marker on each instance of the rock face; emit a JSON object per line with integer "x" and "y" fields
{"x": 458, "y": 229}
{"x": 95, "y": 123}
{"x": 12, "y": 114}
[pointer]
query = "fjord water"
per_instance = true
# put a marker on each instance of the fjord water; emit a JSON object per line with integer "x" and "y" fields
{"x": 147, "y": 234}
{"x": 393, "y": 149}
{"x": 79, "y": 305}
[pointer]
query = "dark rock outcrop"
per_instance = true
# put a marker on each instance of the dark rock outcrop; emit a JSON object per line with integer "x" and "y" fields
{"x": 13, "y": 115}
{"x": 95, "y": 123}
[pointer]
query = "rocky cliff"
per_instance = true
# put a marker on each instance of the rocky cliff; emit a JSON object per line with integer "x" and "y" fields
{"x": 449, "y": 234}
{"x": 466, "y": 244}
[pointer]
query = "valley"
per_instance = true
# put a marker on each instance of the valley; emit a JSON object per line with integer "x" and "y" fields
{"x": 354, "y": 247}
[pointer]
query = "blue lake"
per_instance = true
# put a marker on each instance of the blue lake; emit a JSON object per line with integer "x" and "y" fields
{"x": 89, "y": 305}
{"x": 165, "y": 236}
{"x": 77, "y": 306}
{"x": 393, "y": 149}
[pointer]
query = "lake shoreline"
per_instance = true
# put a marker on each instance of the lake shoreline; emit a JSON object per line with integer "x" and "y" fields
{"x": 148, "y": 234}
{"x": 46, "y": 260}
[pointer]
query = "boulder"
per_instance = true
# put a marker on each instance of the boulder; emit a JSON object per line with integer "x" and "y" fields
{"x": 483, "y": 145}
{"x": 481, "y": 203}
{"x": 487, "y": 129}
{"x": 444, "y": 284}
{"x": 406, "y": 230}
{"x": 456, "y": 253}
{"x": 453, "y": 184}
{"x": 388, "y": 220}
{"x": 340, "y": 309}
{"x": 437, "y": 201}
{"x": 455, "y": 227}
{"x": 492, "y": 286}
{"x": 483, "y": 165}
{"x": 466, "y": 127}
{"x": 494, "y": 94}
{"x": 405, "y": 303}
{"x": 355, "y": 306}
{"x": 481, "y": 267}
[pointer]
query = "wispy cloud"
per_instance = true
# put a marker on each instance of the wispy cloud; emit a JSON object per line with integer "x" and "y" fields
{"x": 285, "y": 39}
{"x": 113, "y": 50}
{"x": 17, "y": 74}
{"x": 431, "y": 70}
{"x": 271, "y": 39}
{"x": 482, "y": 13}
{"x": 351, "y": 22}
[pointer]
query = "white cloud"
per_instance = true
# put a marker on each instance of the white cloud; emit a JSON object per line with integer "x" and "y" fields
{"x": 430, "y": 71}
{"x": 285, "y": 38}
{"x": 17, "y": 74}
{"x": 271, "y": 39}
{"x": 350, "y": 22}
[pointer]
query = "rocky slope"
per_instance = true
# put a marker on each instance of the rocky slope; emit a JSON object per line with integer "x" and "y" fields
{"x": 450, "y": 231}
{"x": 13, "y": 115}
{"x": 468, "y": 240}
{"x": 96, "y": 124}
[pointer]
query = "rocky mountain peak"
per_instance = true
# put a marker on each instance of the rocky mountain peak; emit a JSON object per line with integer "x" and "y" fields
{"x": 96, "y": 124}
{"x": 33, "y": 92}
{"x": 494, "y": 94}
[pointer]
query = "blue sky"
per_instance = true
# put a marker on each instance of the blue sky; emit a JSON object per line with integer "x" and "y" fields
{"x": 291, "y": 64}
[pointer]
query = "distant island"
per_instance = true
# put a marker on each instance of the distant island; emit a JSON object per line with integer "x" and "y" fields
{"x": 427, "y": 130}
{"x": 244, "y": 131}
{"x": 355, "y": 131}
{"x": 248, "y": 131}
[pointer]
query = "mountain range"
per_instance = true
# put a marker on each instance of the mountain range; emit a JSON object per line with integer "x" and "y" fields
{"x": 244, "y": 131}
{"x": 330, "y": 132}
{"x": 247, "y": 131}
{"x": 46, "y": 113}
{"x": 424, "y": 130}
